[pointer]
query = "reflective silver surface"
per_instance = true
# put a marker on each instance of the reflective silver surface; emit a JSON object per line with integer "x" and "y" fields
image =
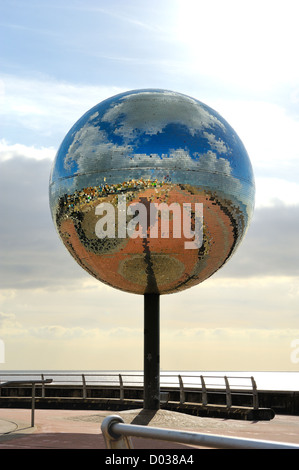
{"x": 151, "y": 146}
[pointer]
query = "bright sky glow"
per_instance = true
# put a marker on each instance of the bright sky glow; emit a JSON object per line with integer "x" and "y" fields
{"x": 251, "y": 44}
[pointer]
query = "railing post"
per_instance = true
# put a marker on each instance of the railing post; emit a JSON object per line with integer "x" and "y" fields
{"x": 43, "y": 386}
{"x": 228, "y": 393}
{"x": 84, "y": 385}
{"x": 255, "y": 398}
{"x": 33, "y": 405}
{"x": 182, "y": 391}
{"x": 204, "y": 394}
{"x": 121, "y": 387}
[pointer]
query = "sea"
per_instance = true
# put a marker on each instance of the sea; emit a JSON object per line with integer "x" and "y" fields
{"x": 265, "y": 380}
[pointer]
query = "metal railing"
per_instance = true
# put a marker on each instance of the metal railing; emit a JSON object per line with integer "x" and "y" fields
{"x": 216, "y": 384}
{"x": 118, "y": 435}
{"x": 33, "y": 385}
{"x": 206, "y": 385}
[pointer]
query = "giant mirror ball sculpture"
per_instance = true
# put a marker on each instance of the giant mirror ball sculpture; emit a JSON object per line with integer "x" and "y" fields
{"x": 134, "y": 156}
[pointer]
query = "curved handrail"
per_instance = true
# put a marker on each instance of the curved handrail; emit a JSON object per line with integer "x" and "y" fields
{"x": 117, "y": 435}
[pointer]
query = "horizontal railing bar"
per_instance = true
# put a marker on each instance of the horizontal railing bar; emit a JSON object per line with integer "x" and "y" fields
{"x": 164, "y": 383}
{"x": 114, "y": 375}
{"x": 114, "y": 429}
{"x": 204, "y": 384}
{"x": 100, "y": 377}
{"x": 25, "y": 382}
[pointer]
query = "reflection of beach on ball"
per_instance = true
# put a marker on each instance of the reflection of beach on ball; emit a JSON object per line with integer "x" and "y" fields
{"x": 134, "y": 181}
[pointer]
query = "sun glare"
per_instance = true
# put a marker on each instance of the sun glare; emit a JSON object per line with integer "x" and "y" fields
{"x": 245, "y": 42}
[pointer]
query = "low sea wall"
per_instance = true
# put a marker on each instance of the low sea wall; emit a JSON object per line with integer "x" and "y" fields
{"x": 282, "y": 402}
{"x": 109, "y": 397}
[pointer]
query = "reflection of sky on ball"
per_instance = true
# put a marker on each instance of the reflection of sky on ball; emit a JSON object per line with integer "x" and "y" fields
{"x": 154, "y": 146}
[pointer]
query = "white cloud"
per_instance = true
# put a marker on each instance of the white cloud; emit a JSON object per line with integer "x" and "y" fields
{"x": 10, "y": 151}
{"x": 229, "y": 348}
{"x": 58, "y": 332}
{"x": 271, "y": 192}
{"x": 143, "y": 108}
{"x": 217, "y": 144}
{"x": 9, "y": 325}
{"x": 46, "y": 108}
{"x": 90, "y": 139}
{"x": 268, "y": 132}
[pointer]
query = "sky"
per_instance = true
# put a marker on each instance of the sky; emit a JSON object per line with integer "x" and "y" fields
{"x": 57, "y": 60}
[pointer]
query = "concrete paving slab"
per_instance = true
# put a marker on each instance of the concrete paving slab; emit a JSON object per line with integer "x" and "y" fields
{"x": 81, "y": 429}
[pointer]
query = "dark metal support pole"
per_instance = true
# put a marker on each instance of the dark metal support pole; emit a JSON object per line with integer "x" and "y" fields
{"x": 33, "y": 405}
{"x": 151, "y": 352}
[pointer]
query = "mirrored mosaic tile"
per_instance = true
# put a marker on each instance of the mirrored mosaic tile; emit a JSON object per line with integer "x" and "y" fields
{"x": 153, "y": 148}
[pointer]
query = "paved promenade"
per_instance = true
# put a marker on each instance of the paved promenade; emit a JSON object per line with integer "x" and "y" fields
{"x": 72, "y": 429}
